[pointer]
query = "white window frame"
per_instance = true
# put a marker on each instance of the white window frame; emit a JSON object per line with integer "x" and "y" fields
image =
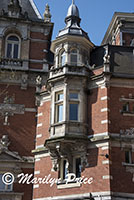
{"x": 74, "y": 101}
{"x": 60, "y": 57}
{"x": 62, "y": 168}
{"x": 13, "y": 43}
{"x": 6, "y": 186}
{"x": 57, "y": 104}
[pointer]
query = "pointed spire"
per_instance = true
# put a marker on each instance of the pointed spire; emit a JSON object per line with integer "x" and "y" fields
{"x": 73, "y": 2}
{"x": 47, "y": 14}
{"x": 72, "y": 21}
{"x": 73, "y": 10}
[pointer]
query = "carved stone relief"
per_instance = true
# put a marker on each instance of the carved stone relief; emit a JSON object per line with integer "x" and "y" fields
{"x": 127, "y": 131}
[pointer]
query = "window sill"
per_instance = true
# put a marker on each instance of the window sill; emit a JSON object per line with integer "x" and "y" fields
{"x": 68, "y": 185}
{"x": 126, "y": 99}
{"x": 129, "y": 114}
{"x": 128, "y": 164}
{"x": 129, "y": 167}
{"x": 58, "y": 123}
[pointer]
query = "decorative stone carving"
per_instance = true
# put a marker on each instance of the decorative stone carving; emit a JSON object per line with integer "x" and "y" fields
{"x": 24, "y": 81}
{"x": 47, "y": 31}
{"x": 55, "y": 159}
{"x": 69, "y": 150}
{"x": 38, "y": 84}
{"x": 84, "y": 160}
{"x": 55, "y": 164}
{"x": 8, "y": 108}
{"x": 9, "y": 100}
{"x": 38, "y": 80}
{"x": 11, "y": 62}
{"x": 47, "y": 14}
{"x": 4, "y": 142}
{"x": 106, "y": 59}
{"x": 127, "y": 131}
{"x": 14, "y": 8}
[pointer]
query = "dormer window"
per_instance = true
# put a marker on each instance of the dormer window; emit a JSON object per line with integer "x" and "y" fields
{"x": 13, "y": 47}
{"x": 73, "y": 57}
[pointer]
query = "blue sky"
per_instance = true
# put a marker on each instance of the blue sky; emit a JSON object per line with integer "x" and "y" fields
{"x": 95, "y": 14}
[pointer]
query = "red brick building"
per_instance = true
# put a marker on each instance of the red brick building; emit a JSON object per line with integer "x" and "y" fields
{"x": 85, "y": 122}
{"x": 25, "y": 57}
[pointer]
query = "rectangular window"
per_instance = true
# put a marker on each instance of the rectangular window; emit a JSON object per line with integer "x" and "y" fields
{"x": 126, "y": 107}
{"x": 16, "y": 50}
{"x": 128, "y": 156}
{"x": 73, "y": 111}
{"x": 64, "y": 169}
{"x": 73, "y": 57}
{"x": 73, "y": 106}
{"x": 78, "y": 167}
{"x": 9, "y": 51}
{"x": 3, "y": 186}
{"x": 75, "y": 167}
{"x": 73, "y": 96}
{"x": 59, "y": 107}
{"x": 59, "y": 113}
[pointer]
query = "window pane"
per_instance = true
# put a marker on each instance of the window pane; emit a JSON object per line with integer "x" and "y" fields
{"x": 64, "y": 169}
{"x": 78, "y": 167}
{"x": 2, "y": 185}
{"x": 127, "y": 156}
{"x": 74, "y": 51}
{"x": 73, "y": 58}
{"x": 13, "y": 38}
{"x": 63, "y": 59}
{"x": 60, "y": 96}
{"x": 60, "y": 113}
{"x": 15, "y": 53}
{"x": 9, "y": 51}
{"x": 73, "y": 95}
{"x": 73, "y": 112}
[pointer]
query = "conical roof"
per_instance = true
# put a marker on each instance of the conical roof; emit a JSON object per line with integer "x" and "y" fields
{"x": 73, "y": 10}
{"x": 72, "y": 21}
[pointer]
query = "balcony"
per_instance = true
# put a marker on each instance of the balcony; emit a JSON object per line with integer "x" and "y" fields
{"x": 71, "y": 128}
{"x": 13, "y": 63}
{"x": 70, "y": 69}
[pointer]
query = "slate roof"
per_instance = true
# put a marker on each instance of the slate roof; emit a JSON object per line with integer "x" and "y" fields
{"x": 27, "y": 6}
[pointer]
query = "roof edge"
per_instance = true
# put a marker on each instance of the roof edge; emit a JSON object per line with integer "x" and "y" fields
{"x": 110, "y": 27}
{"x": 35, "y": 9}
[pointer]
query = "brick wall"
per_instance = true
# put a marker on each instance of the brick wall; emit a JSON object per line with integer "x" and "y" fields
{"x": 97, "y": 110}
{"x": 96, "y": 170}
{"x": 22, "y": 127}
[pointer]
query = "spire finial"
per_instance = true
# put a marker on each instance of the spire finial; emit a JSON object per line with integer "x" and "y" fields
{"x": 73, "y": 2}
{"x": 47, "y": 14}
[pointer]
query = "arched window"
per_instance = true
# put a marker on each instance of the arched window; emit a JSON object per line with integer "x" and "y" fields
{"x": 73, "y": 57}
{"x": 63, "y": 58}
{"x": 12, "y": 47}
